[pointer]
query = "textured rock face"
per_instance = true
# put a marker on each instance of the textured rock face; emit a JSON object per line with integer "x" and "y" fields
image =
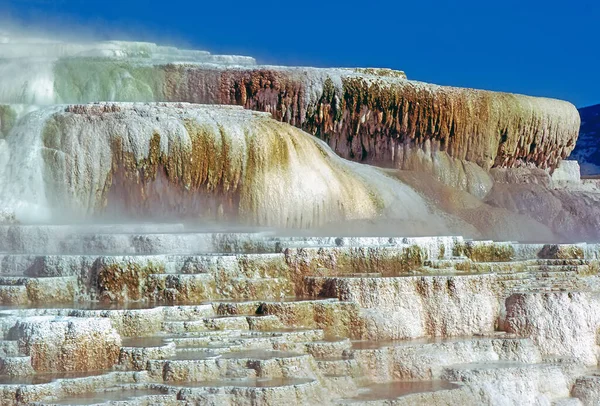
{"x": 368, "y": 115}
{"x": 587, "y": 149}
{"x": 433, "y": 311}
{"x": 390, "y": 121}
{"x": 173, "y": 314}
{"x": 431, "y": 321}
{"x": 381, "y": 118}
{"x": 561, "y": 324}
{"x": 215, "y": 163}
{"x": 377, "y": 118}
{"x": 523, "y": 384}
{"x": 409, "y": 307}
{"x": 68, "y": 345}
{"x": 587, "y": 390}
{"x": 185, "y": 161}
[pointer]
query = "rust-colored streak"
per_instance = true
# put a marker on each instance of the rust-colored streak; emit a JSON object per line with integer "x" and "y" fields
{"x": 369, "y": 116}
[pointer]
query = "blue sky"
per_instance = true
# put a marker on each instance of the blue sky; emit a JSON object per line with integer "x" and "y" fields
{"x": 543, "y": 48}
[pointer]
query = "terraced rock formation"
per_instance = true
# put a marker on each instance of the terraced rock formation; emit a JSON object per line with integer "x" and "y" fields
{"x": 188, "y": 161}
{"x": 202, "y": 269}
{"x": 220, "y": 163}
{"x": 368, "y": 115}
{"x": 445, "y": 141}
{"x": 178, "y": 317}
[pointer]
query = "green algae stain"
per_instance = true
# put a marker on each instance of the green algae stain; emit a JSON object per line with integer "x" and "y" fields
{"x": 80, "y": 80}
{"x": 8, "y": 118}
{"x": 378, "y": 202}
{"x": 484, "y": 252}
{"x": 561, "y": 252}
{"x": 442, "y": 252}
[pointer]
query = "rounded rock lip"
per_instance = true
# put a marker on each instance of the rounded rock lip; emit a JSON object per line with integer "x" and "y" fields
{"x": 102, "y": 396}
{"x": 248, "y": 383}
{"x": 50, "y": 377}
{"x": 262, "y": 355}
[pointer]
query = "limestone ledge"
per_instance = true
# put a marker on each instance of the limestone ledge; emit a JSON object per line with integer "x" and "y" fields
{"x": 369, "y": 115}
{"x": 68, "y": 344}
{"x": 371, "y": 320}
{"x": 385, "y": 119}
{"x": 568, "y": 332}
{"x": 202, "y": 162}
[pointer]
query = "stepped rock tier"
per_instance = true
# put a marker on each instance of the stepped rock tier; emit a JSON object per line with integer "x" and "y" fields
{"x": 378, "y": 116}
{"x": 459, "y": 152}
{"x": 205, "y": 163}
{"x": 369, "y": 115}
{"x": 163, "y": 314}
{"x": 226, "y": 164}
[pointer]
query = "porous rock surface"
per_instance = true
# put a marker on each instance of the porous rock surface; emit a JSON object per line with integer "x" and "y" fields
{"x": 175, "y": 160}
{"x": 227, "y": 164}
{"x": 379, "y": 116}
{"x": 297, "y": 320}
{"x": 67, "y": 344}
{"x": 368, "y": 115}
{"x": 196, "y": 162}
{"x": 570, "y": 331}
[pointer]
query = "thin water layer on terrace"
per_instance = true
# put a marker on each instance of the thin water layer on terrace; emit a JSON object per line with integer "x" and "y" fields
{"x": 374, "y": 345}
{"x": 195, "y": 355}
{"x": 282, "y": 330}
{"x": 145, "y": 342}
{"x": 287, "y": 299}
{"x": 485, "y": 366}
{"x": 115, "y": 394}
{"x": 403, "y": 274}
{"x": 85, "y": 306}
{"x": 393, "y": 390}
{"x": 93, "y": 305}
{"x": 216, "y": 347}
{"x": 46, "y": 377}
{"x": 250, "y": 382}
{"x": 261, "y": 354}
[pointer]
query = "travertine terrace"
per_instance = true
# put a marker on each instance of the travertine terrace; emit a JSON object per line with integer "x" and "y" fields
{"x": 169, "y": 315}
{"x": 304, "y": 236}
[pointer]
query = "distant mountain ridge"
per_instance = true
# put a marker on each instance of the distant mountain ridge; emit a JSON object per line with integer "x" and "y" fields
{"x": 587, "y": 149}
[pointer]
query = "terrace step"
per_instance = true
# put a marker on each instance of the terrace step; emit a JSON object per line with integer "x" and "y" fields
{"x": 9, "y": 348}
{"x": 16, "y": 366}
{"x": 213, "y": 317}
{"x": 223, "y": 323}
